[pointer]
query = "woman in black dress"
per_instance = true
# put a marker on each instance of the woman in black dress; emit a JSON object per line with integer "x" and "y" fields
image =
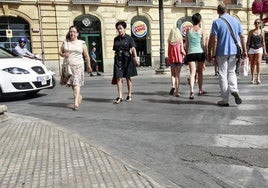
{"x": 125, "y": 60}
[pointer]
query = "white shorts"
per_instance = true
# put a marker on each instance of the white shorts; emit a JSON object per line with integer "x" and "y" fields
{"x": 255, "y": 51}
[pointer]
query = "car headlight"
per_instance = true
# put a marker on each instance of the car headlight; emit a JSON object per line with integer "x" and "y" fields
{"x": 15, "y": 70}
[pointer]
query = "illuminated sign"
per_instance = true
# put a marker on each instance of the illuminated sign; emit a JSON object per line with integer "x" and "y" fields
{"x": 139, "y": 29}
{"x": 184, "y": 27}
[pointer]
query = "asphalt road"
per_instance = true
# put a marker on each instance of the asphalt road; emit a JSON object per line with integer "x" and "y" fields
{"x": 179, "y": 142}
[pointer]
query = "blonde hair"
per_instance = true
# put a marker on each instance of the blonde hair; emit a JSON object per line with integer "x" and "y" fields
{"x": 174, "y": 35}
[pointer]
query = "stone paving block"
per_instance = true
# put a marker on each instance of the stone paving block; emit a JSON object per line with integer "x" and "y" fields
{"x": 34, "y": 154}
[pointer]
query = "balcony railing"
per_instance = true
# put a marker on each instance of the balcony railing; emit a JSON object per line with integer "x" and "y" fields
{"x": 139, "y": 2}
{"x": 233, "y": 3}
{"x": 92, "y": 2}
{"x": 188, "y": 3}
{"x": 10, "y": 1}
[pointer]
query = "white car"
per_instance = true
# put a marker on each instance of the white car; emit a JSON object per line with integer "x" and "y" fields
{"x": 23, "y": 75}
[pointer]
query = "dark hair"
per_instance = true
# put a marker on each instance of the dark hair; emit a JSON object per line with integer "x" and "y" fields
{"x": 221, "y": 8}
{"x": 124, "y": 24}
{"x": 68, "y": 34}
{"x": 196, "y": 18}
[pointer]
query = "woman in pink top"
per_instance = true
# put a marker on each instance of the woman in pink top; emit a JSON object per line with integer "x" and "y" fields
{"x": 175, "y": 57}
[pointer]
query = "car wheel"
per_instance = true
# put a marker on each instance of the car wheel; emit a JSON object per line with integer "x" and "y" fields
{"x": 1, "y": 94}
{"x": 53, "y": 82}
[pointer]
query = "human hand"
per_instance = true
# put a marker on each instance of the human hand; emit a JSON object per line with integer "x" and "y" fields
{"x": 137, "y": 61}
{"x": 89, "y": 69}
{"x": 245, "y": 55}
{"x": 66, "y": 54}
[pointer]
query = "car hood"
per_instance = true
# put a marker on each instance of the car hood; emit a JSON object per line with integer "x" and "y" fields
{"x": 24, "y": 63}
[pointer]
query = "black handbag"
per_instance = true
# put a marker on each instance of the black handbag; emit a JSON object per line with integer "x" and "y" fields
{"x": 239, "y": 50}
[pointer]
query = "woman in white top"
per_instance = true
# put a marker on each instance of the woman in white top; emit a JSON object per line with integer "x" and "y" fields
{"x": 73, "y": 51}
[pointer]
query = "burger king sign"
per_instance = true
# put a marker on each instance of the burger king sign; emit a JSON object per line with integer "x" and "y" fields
{"x": 139, "y": 29}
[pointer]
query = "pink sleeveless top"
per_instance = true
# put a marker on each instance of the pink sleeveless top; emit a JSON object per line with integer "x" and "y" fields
{"x": 174, "y": 53}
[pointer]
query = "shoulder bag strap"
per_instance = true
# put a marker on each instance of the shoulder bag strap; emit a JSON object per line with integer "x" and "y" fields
{"x": 230, "y": 29}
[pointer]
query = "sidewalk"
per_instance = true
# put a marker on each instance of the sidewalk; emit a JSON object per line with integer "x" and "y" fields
{"x": 35, "y": 153}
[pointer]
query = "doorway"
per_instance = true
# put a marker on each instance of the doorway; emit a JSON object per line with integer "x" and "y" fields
{"x": 90, "y": 31}
{"x": 140, "y": 34}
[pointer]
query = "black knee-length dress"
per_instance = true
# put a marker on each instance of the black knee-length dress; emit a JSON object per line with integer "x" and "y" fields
{"x": 124, "y": 66}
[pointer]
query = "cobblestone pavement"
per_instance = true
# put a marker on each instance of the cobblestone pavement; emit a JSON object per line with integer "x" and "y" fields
{"x": 36, "y": 154}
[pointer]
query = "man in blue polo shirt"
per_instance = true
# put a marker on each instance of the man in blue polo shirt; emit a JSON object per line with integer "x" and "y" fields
{"x": 222, "y": 47}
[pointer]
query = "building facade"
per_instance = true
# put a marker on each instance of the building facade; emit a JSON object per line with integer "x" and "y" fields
{"x": 45, "y": 24}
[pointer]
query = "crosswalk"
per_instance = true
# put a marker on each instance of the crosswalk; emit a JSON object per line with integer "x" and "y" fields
{"x": 240, "y": 157}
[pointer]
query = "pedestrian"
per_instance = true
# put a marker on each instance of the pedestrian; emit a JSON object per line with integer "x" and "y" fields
{"x": 196, "y": 53}
{"x": 21, "y": 49}
{"x": 176, "y": 53}
{"x": 125, "y": 60}
{"x": 256, "y": 47}
{"x": 93, "y": 61}
{"x": 222, "y": 47}
{"x": 73, "y": 49}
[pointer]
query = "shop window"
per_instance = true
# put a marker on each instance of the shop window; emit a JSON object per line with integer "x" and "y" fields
{"x": 139, "y": 2}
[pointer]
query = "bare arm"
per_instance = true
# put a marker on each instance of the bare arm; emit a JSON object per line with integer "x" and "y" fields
{"x": 204, "y": 44}
{"x": 87, "y": 58}
{"x": 243, "y": 44}
{"x": 263, "y": 44}
{"x": 62, "y": 51}
{"x": 186, "y": 42}
{"x": 134, "y": 53}
{"x": 248, "y": 40}
{"x": 212, "y": 46}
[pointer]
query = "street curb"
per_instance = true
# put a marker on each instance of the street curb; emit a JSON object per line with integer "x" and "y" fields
{"x": 3, "y": 116}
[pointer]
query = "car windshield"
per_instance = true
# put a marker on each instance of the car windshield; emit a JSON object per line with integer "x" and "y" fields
{"x": 5, "y": 54}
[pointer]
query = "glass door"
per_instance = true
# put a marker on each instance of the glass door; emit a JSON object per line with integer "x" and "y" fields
{"x": 94, "y": 40}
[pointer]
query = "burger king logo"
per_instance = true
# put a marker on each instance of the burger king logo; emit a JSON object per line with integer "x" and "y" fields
{"x": 184, "y": 27}
{"x": 139, "y": 29}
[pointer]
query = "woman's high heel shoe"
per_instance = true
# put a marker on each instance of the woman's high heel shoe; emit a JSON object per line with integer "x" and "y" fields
{"x": 76, "y": 108}
{"x": 118, "y": 100}
{"x": 191, "y": 95}
{"x": 129, "y": 98}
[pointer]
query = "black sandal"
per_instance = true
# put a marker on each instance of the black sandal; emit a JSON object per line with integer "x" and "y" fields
{"x": 129, "y": 98}
{"x": 191, "y": 95}
{"x": 118, "y": 100}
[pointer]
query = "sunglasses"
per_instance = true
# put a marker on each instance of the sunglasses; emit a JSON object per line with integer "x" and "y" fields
{"x": 257, "y": 22}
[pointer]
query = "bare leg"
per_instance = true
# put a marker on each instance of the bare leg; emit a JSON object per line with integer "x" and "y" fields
{"x": 258, "y": 67}
{"x": 172, "y": 77}
{"x": 200, "y": 67}
{"x": 119, "y": 91}
{"x": 172, "y": 72}
{"x": 77, "y": 96}
{"x": 129, "y": 87}
{"x": 252, "y": 66}
{"x": 177, "y": 80}
{"x": 192, "y": 67}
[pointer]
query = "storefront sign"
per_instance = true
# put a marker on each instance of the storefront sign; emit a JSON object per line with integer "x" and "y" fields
{"x": 9, "y": 33}
{"x": 184, "y": 27}
{"x": 139, "y": 29}
{"x": 86, "y": 22}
